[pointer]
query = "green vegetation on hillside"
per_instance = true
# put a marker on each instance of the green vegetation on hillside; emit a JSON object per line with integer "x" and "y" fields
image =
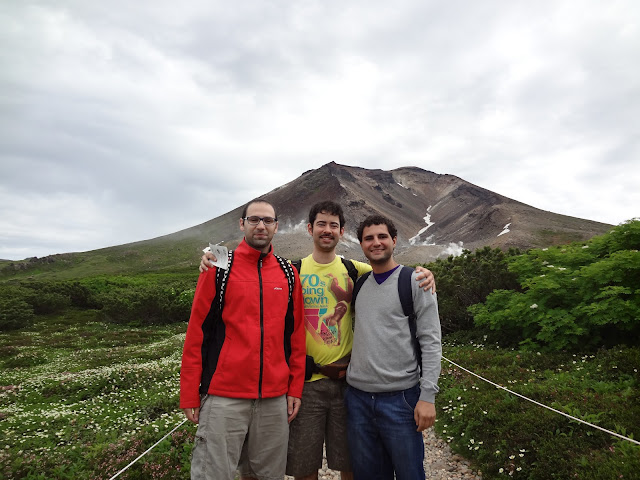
{"x": 90, "y": 365}
{"x": 580, "y": 296}
{"x": 154, "y": 256}
{"x": 151, "y": 299}
{"x": 80, "y": 399}
{"x": 508, "y": 437}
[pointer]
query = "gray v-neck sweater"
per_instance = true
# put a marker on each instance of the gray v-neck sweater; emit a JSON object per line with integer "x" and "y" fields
{"x": 383, "y": 357}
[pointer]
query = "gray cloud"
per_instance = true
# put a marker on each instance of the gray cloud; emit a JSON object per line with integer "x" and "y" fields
{"x": 125, "y": 121}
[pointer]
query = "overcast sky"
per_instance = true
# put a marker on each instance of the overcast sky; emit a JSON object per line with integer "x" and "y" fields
{"x": 122, "y": 121}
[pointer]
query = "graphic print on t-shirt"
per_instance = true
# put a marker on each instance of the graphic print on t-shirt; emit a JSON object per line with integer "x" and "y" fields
{"x": 325, "y": 307}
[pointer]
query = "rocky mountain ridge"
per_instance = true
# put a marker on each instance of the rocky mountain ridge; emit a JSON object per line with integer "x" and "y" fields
{"x": 436, "y": 215}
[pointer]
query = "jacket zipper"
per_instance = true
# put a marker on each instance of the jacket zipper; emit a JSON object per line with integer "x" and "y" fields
{"x": 261, "y": 329}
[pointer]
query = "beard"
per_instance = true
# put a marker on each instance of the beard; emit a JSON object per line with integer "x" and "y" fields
{"x": 258, "y": 243}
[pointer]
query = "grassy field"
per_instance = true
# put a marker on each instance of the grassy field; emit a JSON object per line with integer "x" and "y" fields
{"x": 505, "y": 435}
{"x": 144, "y": 257}
{"x": 80, "y": 399}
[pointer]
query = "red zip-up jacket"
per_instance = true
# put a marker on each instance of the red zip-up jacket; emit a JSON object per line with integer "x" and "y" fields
{"x": 250, "y": 356}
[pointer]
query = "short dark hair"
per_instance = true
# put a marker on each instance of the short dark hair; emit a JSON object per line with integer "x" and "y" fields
{"x": 258, "y": 200}
{"x": 377, "y": 220}
{"x": 328, "y": 207}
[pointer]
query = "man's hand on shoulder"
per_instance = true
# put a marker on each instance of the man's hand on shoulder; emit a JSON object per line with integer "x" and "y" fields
{"x": 293, "y": 405}
{"x": 424, "y": 414}
{"x": 204, "y": 262}
{"x": 425, "y": 277}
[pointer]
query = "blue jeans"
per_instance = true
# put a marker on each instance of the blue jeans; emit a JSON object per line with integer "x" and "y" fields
{"x": 382, "y": 435}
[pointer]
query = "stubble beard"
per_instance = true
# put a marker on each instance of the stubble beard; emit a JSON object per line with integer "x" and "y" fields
{"x": 258, "y": 243}
{"x": 327, "y": 247}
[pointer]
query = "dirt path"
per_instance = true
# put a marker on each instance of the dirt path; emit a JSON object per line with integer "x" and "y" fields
{"x": 439, "y": 463}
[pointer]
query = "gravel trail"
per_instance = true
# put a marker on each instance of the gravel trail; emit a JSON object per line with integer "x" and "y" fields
{"x": 440, "y": 463}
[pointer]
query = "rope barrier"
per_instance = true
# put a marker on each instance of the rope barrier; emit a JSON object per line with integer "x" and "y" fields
{"x": 543, "y": 405}
{"x": 451, "y": 362}
{"x": 148, "y": 450}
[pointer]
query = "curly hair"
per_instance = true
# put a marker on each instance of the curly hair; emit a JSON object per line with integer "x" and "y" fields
{"x": 377, "y": 220}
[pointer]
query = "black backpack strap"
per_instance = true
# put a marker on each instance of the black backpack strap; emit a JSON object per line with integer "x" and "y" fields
{"x": 213, "y": 328}
{"x": 348, "y": 264}
{"x": 404, "y": 290}
{"x": 289, "y": 320}
{"x": 406, "y": 300}
{"x": 351, "y": 269}
{"x": 288, "y": 272}
{"x": 297, "y": 264}
{"x": 356, "y": 289}
{"x": 222, "y": 276}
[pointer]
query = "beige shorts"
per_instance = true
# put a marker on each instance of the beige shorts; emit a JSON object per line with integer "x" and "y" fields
{"x": 244, "y": 434}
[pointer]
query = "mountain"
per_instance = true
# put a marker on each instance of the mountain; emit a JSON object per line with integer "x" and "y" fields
{"x": 435, "y": 215}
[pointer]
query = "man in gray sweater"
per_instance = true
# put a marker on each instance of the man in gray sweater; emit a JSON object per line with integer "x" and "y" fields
{"x": 390, "y": 401}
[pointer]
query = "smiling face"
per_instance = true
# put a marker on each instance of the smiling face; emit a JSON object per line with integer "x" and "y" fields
{"x": 326, "y": 231}
{"x": 259, "y": 236}
{"x": 377, "y": 244}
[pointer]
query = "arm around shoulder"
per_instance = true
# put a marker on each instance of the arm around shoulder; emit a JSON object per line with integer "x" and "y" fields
{"x": 430, "y": 339}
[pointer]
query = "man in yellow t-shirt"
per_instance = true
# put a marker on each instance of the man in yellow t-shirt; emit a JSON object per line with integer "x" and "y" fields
{"x": 327, "y": 286}
{"x": 327, "y": 289}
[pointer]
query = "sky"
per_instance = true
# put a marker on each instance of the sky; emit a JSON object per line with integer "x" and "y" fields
{"x": 123, "y": 121}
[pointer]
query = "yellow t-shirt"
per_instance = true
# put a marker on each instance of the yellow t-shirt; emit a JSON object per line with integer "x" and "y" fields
{"x": 327, "y": 290}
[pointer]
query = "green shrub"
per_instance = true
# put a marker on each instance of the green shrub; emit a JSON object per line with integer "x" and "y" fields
{"x": 578, "y": 296}
{"x": 47, "y": 297}
{"x": 79, "y": 295}
{"x": 145, "y": 305}
{"x": 14, "y": 314}
{"x": 46, "y": 302}
{"x": 468, "y": 279}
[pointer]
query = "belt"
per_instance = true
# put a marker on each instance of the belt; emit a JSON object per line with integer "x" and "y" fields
{"x": 335, "y": 370}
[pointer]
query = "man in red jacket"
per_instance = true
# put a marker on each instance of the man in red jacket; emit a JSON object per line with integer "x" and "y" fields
{"x": 243, "y": 369}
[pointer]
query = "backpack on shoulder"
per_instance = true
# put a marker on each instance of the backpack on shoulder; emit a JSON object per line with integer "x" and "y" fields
{"x": 348, "y": 264}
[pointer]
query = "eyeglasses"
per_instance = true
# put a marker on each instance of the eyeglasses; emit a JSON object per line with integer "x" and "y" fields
{"x": 253, "y": 220}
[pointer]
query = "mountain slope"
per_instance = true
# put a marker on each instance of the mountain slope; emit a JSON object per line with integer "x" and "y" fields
{"x": 435, "y": 215}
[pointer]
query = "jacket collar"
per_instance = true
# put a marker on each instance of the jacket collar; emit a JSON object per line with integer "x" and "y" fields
{"x": 252, "y": 254}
